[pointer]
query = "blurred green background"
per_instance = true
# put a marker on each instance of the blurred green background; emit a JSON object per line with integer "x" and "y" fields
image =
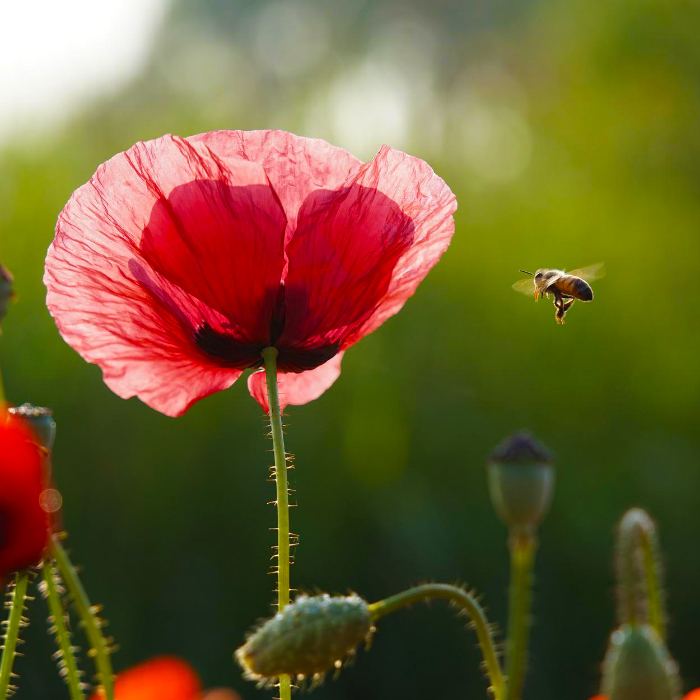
{"x": 570, "y": 133}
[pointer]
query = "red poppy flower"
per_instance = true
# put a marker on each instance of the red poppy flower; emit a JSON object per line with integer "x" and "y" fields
{"x": 181, "y": 259}
{"x": 24, "y": 526}
{"x": 162, "y": 678}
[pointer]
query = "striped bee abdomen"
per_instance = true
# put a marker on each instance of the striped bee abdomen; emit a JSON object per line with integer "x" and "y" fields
{"x": 575, "y": 287}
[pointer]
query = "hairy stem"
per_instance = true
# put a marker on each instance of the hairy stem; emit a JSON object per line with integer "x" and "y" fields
{"x": 469, "y": 605}
{"x": 13, "y": 625}
{"x": 522, "y": 557}
{"x": 68, "y": 663}
{"x": 282, "y": 502}
{"x": 88, "y": 616}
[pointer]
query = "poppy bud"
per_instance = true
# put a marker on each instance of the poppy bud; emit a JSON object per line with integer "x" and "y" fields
{"x": 521, "y": 481}
{"x": 40, "y": 420}
{"x": 639, "y": 667}
{"x": 307, "y": 638}
{"x": 6, "y": 292}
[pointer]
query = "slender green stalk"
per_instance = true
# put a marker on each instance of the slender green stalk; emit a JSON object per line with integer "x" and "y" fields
{"x": 88, "y": 616}
{"x": 68, "y": 665}
{"x": 270, "y": 357}
{"x": 469, "y": 605}
{"x": 13, "y": 626}
{"x": 523, "y": 544}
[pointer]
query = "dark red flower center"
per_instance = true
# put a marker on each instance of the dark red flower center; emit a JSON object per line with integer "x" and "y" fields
{"x": 244, "y": 355}
{"x": 237, "y": 354}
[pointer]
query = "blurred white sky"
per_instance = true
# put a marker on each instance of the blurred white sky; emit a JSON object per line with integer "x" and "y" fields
{"x": 54, "y": 54}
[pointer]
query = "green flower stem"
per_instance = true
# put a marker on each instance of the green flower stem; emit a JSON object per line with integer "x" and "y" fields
{"x": 88, "y": 616}
{"x": 522, "y": 544}
{"x": 14, "y": 624}
{"x": 469, "y": 605}
{"x": 640, "y": 571}
{"x": 53, "y": 597}
{"x": 270, "y": 357}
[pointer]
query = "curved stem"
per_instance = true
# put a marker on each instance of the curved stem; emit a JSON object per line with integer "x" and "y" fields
{"x": 469, "y": 605}
{"x": 13, "y": 626}
{"x": 67, "y": 662}
{"x": 282, "y": 502}
{"x": 88, "y": 617}
{"x": 522, "y": 557}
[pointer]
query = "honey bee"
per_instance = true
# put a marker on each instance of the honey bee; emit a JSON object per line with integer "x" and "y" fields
{"x": 565, "y": 287}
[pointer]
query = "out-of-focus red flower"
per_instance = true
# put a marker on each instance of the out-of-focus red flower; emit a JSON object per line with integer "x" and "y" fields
{"x": 181, "y": 259}
{"x": 220, "y": 694}
{"x": 24, "y": 526}
{"x": 162, "y": 678}
{"x": 692, "y": 695}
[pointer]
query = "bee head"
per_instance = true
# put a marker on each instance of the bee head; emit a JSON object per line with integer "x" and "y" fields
{"x": 540, "y": 277}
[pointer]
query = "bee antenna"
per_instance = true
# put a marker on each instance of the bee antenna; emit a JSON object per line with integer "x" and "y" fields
{"x": 528, "y": 273}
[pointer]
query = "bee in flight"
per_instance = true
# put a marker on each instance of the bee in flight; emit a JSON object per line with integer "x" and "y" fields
{"x": 565, "y": 287}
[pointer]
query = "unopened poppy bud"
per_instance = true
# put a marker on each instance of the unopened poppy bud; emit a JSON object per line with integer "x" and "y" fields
{"x": 40, "y": 420}
{"x": 639, "y": 667}
{"x": 307, "y": 638}
{"x": 6, "y": 291}
{"x": 521, "y": 481}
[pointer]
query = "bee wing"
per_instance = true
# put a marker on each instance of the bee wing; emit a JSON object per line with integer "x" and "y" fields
{"x": 590, "y": 273}
{"x": 526, "y": 286}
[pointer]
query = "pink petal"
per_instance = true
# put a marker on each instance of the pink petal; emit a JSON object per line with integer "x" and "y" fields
{"x": 164, "y": 239}
{"x": 428, "y": 200}
{"x": 360, "y": 252}
{"x": 296, "y": 389}
{"x": 295, "y": 165}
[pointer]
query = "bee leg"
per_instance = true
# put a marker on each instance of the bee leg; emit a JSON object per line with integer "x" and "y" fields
{"x": 560, "y": 313}
{"x": 568, "y": 304}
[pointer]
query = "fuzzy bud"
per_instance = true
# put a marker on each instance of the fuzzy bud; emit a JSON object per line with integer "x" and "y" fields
{"x": 521, "y": 481}
{"x": 638, "y": 666}
{"x": 307, "y": 638}
{"x": 40, "y": 420}
{"x": 6, "y": 291}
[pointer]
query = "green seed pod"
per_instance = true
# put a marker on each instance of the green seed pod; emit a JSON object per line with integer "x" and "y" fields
{"x": 521, "y": 481}
{"x": 40, "y": 420}
{"x": 308, "y": 638}
{"x": 638, "y": 666}
{"x": 6, "y": 292}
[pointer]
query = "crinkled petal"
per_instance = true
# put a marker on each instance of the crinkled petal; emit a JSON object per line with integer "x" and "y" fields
{"x": 168, "y": 238}
{"x": 426, "y": 198}
{"x": 296, "y": 388}
{"x": 359, "y": 252}
{"x": 295, "y": 165}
